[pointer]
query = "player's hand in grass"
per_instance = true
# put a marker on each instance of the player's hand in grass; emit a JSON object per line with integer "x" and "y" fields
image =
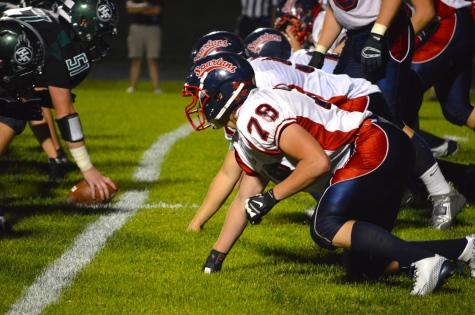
{"x": 99, "y": 182}
{"x": 259, "y": 205}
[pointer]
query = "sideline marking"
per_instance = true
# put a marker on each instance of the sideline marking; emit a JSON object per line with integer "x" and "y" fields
{"x": 58, "y": 275}
{"x": 150, "y": 165}
{"x": 456, "y": 138}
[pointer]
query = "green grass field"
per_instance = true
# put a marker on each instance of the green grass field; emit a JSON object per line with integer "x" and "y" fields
{"x": 152, "y": 265}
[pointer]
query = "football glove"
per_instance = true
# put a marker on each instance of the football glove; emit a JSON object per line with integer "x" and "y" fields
{"x": 259, "y": 205}
{"x": 372, "y": 55}
{"x": 317, "y": 59}
{"x": 213, "y": 262}
{"x": 22, "y": 110}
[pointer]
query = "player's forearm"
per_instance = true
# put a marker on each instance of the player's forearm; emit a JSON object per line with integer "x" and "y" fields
{"x": 387, "y": 12}
{"x": 424, "y": 12}
{"x": 330, "y": 31}
{"x": 233, "y": 226}
{"x": 306, "y": 173}
{"x": 235, "y": 221}
{"x": 218, "y": 192}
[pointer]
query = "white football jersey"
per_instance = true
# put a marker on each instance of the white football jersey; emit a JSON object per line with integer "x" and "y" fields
{"x": 355, "y": 14}
{"x": 266, "y": 113}
{"x": 303, "y": 56}
{"x": 456, "y": 4}
{"x": 317, "y": 28}
{"x": 271, "y": 72}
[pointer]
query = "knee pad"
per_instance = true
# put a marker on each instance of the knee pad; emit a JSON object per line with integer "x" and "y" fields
{"x": 70, "y": 128}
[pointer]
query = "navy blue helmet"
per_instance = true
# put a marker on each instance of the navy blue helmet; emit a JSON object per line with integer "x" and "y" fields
{"x": 217, "y": 42}
{"x": 218, "y": 84}
{"x": 267, "y": 42}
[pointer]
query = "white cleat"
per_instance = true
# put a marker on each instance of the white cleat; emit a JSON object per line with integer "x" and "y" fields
{"x": 468, "y": 255}
{"x": 430, "y": 273}
{"x": 446, "y": 207}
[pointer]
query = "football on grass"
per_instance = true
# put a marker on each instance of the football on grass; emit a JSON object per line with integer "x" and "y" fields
{"x": 81, "y": 194}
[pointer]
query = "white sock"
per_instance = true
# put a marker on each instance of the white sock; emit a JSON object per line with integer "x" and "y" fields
{"x": 467, "y": 252}
{"x": 435, "y": 181}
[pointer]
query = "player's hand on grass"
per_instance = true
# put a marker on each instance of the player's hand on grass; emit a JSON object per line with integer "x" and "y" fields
{"x": 257, "y": 206}
{"x": 194, "y": 227}
{"x": 99, "y": 183}
{"x": 214, "y": 262}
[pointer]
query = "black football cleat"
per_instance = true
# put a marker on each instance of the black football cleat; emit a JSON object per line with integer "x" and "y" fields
{"x": 55, "y": 169}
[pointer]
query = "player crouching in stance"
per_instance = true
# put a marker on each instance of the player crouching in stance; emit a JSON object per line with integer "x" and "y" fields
{"x": 358, "y": 209}
{"x": 73, "y": 38}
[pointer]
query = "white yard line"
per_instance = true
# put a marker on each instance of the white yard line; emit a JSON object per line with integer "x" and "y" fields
{"x": 48, "y": 286}
{"x": 456, "y": 138}
{"x": 149, "y": 167}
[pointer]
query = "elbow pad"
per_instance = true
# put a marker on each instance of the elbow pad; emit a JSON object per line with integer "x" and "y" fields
{"x": 70, "y": 128}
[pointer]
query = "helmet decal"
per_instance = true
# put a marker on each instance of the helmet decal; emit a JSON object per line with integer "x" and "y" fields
{"x": 23, "y": 52}
{"x": 256, "y": 45}
{"x": 210, "y": 46}
{"x": 214, "y": 64}
{"x": 104, "y": 12}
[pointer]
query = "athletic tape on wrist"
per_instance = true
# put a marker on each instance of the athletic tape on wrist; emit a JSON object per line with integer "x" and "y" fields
{"x": 321, "y": 49}
{"x": 81, "y": 157}
{"x": 379, "y": 29}
{"x": 70, "y": 128}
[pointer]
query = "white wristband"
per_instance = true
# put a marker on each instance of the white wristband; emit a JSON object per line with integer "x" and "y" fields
{"x": 379, "y": 29}
{"x": 81, "y": 157}
{"x": 321, "y": 49}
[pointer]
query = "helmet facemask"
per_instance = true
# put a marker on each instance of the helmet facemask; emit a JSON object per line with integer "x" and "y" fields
{"x": 194, "y": 111}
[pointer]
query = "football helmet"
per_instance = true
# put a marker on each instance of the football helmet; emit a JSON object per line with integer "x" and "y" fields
{"x": 300, "y": 14}
{"x": 91, "y": 20}
{"x": 22, "y": 53}
{"x": 218, "y": 84}
{"x": 216, "y": 42}
{"x": 267, "y": 42}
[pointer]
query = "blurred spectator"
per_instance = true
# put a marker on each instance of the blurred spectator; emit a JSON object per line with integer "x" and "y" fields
{"x": 255, "y": 14}
{"x": 145, "y": 34}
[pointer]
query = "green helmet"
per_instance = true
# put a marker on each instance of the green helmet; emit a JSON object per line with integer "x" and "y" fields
{"x": 22, "y": 53}
{"x": 90, "y": 18}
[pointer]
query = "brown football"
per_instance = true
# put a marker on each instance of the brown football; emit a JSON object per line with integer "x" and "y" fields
{"x": 81, "y": 194}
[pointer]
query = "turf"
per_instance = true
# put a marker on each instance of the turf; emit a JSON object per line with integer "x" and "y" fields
{"x": 152, "y": 266}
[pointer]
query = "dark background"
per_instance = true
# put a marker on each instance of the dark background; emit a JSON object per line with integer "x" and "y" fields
{"x": 184, "y": 22}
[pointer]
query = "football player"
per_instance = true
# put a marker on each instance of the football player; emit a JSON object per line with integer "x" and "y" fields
{"x": 73, "y": 40}
{"x": 302, "y": 21}
{"x": 443, "y": 57}
{"x": 22, "y": 54}
{"x": 270, "y": 73}
{"x": 379, "y": 46}
{"x": 43, "y": 129}
{"x": 358, "y": 210}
